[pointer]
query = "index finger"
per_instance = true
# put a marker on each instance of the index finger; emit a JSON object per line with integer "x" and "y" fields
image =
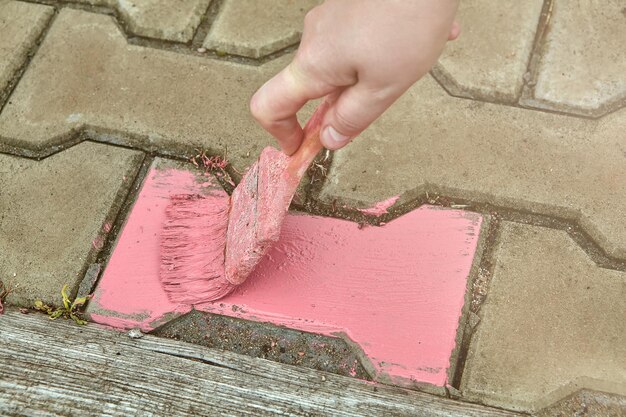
{"x": 277, "y": 102}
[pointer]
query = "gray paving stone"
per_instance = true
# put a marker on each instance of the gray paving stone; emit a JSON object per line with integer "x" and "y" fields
{"x": 54, "y": 215}
{"x": 583, "y": 67}
{"x": 20, "y": 26}
{"x": 552, "y": 323}
{"x": 529, "y": 160}
{"x": 489, "y": 59}
{"x": 252, "y": 28}
{"x": 86, "y": 76}
{"x": 587, "y": 403}
{"x": 162, "y": 19}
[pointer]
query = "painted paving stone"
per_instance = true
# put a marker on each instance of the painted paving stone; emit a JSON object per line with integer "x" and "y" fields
{"x": 395, "y": 293}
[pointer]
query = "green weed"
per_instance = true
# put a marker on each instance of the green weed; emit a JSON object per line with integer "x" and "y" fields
{"x": 69, "y": 310}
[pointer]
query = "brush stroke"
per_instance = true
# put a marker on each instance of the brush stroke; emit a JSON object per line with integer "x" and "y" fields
{"x": 396, "y": 291}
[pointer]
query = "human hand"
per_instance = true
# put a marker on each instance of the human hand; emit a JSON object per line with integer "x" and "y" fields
{"x": 362, "y": 55}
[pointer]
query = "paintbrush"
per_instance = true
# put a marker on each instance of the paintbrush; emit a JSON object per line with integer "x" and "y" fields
{"x": 204, "y": 263}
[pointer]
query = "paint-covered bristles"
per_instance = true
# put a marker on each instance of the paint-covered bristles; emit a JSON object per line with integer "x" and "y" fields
{"x": 193, "y": 240}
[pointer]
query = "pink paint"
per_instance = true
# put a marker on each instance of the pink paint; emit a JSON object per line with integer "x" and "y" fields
{"x": 396, "y": 291}
{"x": 128, "y": 285}
{"x": 193, "y": 240}
{"x": 380, "y": 208}
{"x": 98, "y": 242}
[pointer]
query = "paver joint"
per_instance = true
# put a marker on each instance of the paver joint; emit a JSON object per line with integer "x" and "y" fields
{"x": 525, "y": 113}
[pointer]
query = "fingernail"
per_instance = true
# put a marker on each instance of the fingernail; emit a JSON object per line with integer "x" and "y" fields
{"x": 331, "y": 136}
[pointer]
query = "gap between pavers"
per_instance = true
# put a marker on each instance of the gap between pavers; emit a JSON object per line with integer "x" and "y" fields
{"x": 255, "y": 29}
{"x": 168, "y": 20}
{"x": 396, "y": 292}
{"x": 55, "y": 215}
{"x": 526, "y": 160}
{"x": 86, "y": 76}
{"x": 552, "y": 323}
{"x": 488, "y": 61}
{"x": 20, "y": 26}
{"x": 582, "y": 64}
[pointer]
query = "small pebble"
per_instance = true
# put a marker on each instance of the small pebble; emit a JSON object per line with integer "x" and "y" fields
{"x": 201, "y": 50}
{"x": 135, "y": 334}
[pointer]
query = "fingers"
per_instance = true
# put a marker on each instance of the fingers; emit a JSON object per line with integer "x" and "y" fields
{"x": 276, "y": 103}
{"x": 352, "y": 112}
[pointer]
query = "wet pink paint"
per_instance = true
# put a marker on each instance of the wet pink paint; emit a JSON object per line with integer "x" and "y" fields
{"x": 396, "y": 291}
{"x": 380, "y": 208}
{"x": 127, "y": 286}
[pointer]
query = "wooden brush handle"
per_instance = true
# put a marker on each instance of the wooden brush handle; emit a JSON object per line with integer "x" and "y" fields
{"x": 311, "y": 145}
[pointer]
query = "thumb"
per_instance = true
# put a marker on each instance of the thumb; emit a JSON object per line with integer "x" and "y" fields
{"x": 351, "y": 113}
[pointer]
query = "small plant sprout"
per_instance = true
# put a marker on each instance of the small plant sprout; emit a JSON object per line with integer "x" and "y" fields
{"x": 4, "y": 291}
{"x": 69, "y": 310}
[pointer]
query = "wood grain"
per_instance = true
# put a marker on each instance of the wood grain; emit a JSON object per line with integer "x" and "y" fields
{"x": 58, "y": 368}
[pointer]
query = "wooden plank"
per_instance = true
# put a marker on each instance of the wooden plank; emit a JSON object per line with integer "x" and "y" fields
{"x": 58, "y": 368}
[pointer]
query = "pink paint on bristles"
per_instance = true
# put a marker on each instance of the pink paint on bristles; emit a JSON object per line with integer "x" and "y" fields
{"x": 209, "y": 247}
{"x": 192, "y": 248}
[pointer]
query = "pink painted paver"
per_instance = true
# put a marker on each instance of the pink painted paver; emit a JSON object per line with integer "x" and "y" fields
{"x": 396, "y": 291}
{"x": 129, "y": 291}
{"x": 380, "y": 208}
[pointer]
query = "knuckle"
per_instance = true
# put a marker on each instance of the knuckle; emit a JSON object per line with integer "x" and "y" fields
{"x": 257, "y": 110}
{"x": 347, "y": 123}
{"x": 311, "y": 16}
{"x": 304, "y": 62}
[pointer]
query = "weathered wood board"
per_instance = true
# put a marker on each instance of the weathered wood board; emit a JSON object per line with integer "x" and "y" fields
{"x": 58, "y": 368}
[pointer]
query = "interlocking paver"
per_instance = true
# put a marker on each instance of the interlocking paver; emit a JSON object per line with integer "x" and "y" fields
{"x": 54, "y": 215}
{"x": 162, "y": 19}
{"x": 490, "y": 57}
{"x": 325, "y": 276}
{"x": 86, "y": 75}
{"x": 20, "y": 26}
{"x": 254, "y": 29}
{"x": 524, "y": 159}
{"x": 587, "y": 403}
{"x": 584, "y": 60}
{"x": 553, "y": 322}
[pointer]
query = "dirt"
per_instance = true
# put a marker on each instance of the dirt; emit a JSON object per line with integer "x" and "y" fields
{"x": 587, "y": 403}
{"x": 267, "y": 341}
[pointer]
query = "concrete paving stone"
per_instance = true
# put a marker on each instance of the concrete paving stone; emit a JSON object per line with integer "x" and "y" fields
{"x": 55, "y": 214}
{"x": 20, "y": 26}
{"x": 161, "y": 19}
{"x": 583, "y": 67}
{"x": 587, "y": 403}
{"x": 489, "y": 59}
{"x": 86, "y": 76}
{"x": 296, "y": 285}
{"x": 254, "y": 29}
{"x": 528, "y": 160}
{"x": 552, "y": 324}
